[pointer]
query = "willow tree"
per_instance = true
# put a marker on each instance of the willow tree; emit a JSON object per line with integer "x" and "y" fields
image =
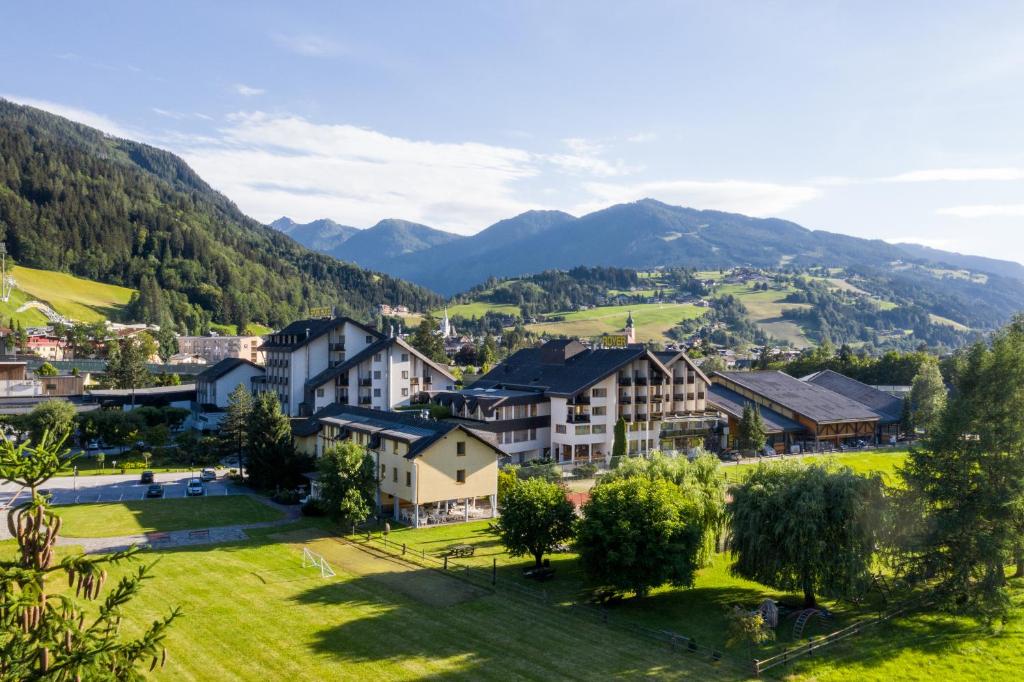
{"x": 807, "y": 528}
{"x": 52, "y": 632}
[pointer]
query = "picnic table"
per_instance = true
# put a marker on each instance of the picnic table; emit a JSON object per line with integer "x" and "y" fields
{"x": 460, "y": 551}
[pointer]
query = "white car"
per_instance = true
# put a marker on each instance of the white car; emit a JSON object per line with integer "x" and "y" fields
{"x": 208, "y": 475}
{"x": 195, "y": 487}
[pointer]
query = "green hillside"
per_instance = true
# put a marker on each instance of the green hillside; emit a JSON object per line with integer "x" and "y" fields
{"x": 75, "y": 200}
{"x": 653, "y": 320}
{"x": 79, "y": 299}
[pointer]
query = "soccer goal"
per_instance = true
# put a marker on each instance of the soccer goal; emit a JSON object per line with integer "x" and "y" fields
{"x": 310, "y": 558}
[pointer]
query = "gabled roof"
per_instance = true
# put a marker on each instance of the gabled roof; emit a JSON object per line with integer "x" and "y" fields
{"x": 406, "y": 427}
{"x": 486, "y": 398}
{"x": 376, "y": 347}
{"x": 533, "y": 368}
{"x": 671, "y": 357}
{"x": 813, "y": 402}
{"x": 888, "y": 406}
{"x": 216, "y": 371}
{"x": 316, "y": 328}
{"x": 732, "y": 403}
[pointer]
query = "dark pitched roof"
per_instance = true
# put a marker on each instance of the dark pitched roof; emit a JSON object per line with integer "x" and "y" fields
{"x": 368, "y": 352}
{"x": 338, "y": 370}
{"x": 888, "y": 406}
{"x": 814, "y": 402}
{"x": 316, "y": 327}
{"x": 731, "y": 402}
{"x": 216, "y": 371}
{"x": 534, "y": 368}
{"x": 407, "y": 427}
{"x": 486, "y": 398}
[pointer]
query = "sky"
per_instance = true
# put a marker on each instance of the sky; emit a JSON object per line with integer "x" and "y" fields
{"x": 899, "y": 121}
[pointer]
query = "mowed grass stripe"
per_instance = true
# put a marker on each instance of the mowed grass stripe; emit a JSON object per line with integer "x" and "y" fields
{"x": 103, "y": 519}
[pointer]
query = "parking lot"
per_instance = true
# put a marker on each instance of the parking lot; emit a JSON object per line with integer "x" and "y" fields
{"x": 113, "y": 488}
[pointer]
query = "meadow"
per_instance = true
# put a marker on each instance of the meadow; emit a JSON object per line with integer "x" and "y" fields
{"x": 79, "y": 299}
{"x": 143, "y": 516}
{"x": 652, "y": 320}
{"x": 765, "y": 310}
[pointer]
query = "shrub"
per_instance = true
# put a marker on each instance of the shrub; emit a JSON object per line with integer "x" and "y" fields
{"x": 587, "y": 470}
{"x": 312, "y": 508}
{"x": 285, "y": 497}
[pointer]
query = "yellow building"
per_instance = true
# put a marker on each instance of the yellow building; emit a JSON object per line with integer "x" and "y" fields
{"x": 427, "y": 471}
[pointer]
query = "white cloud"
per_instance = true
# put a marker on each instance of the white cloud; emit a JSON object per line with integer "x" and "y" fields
{"x": 181, "y": 115}
{"x": 89, "y": 118}
{"x": 958, "y": 175}
{"x": 585, "y": 157}
{"x": 984, "y": 211}
{"x": 247, "y": 90}
{"x": 741, "y": 196}
{"x": 273, "y": 165}
{"x": 309, "y": 45}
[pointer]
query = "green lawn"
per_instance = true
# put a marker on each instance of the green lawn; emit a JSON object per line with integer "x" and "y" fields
{"x": 478, "y": 309}
{"x": 253, "y": 613}
{"x": 141, "y": 516}
{"x": 80, "y": 299}
{"x": 652, "y": 320}
{"x": 765, "y": 309}
{"x": 884, "y": 462}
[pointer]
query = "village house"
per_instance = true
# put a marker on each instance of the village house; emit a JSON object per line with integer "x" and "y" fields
{"x": 427, "y": 471}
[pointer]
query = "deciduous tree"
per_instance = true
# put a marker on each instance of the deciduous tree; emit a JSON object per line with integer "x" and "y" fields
{"x": 535, "y": 518}
{"x": 637, "y": 534}
{"x": 808, "y": 528}
{"x": 347, "y": 482}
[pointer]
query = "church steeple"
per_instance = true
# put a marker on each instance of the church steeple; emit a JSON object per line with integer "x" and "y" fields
{"x": 630, "y": 329}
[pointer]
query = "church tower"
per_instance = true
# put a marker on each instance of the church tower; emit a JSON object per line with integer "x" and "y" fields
{"x": 630, "y": 329}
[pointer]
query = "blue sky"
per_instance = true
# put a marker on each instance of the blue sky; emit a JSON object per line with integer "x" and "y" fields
{"x": 899, "y": 121}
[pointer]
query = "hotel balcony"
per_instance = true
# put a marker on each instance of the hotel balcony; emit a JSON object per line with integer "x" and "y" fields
{"x": 640, "y": 381}
{"x": 641, "y": 400}
{"x": 657, "y": 380}
{"x": 578, "y": 419}
{"x": 337, "y": 346}
{"x": 366, "y": 382}
{"x": 580, "y": 399}
{"x": 678, "y": 397}
{"x": 625, "y": 381}
{"x": 365, "y": 400}
{"x": 625, "y": 399}
{"x": 641, "y": 416}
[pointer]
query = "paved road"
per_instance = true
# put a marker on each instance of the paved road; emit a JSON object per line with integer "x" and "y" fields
{"x": 112, "y": 488}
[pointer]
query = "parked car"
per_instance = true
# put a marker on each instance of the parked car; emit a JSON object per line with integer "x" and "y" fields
{"x": 730, "y": 456}
{"x": 208, "y": 475}
{"x": 147, "y": 477}
{"x": 155, "y": 490}
{"x": 195, "y": 487}
{"x": 92, "y": 445}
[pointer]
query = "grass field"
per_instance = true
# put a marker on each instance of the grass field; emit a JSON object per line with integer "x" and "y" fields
{"x": 652, "y": 320}
{"x": 765, "y": 309}
{"x": 478, "y": 309}
{"x": 74, "y": 297}
{"x": 142, "y": 516}
{"x": 253, "y": 613}
{"x": 883, "y": 462}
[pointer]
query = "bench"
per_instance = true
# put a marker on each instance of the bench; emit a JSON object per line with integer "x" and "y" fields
{"x": 158, "y": 537}
{"x": 195, "y": 534}
{"x": 459, "y": 551}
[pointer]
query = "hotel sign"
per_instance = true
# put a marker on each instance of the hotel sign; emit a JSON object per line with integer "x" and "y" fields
{"x": 614, "y": 341}
{"x": 325, "y": 311}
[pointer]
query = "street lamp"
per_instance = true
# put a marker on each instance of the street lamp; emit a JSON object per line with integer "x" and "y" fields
{"x": 76, "y": 478}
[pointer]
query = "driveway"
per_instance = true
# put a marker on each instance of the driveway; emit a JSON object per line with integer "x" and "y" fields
{"x": 112, "y": 488}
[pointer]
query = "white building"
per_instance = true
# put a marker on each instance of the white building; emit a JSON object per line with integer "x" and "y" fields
{"x": 214, "y": 386}
{"x": 213, "y": 349}
{"x": 563, "y": 400}
{"x": 314, "y": 363}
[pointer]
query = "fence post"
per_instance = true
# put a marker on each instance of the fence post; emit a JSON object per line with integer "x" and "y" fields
{"x": 403, "y": 549}
{"x": 446, "y": 562}
{"x": 494, "y": 572}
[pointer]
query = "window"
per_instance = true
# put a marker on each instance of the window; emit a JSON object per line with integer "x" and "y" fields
{"x": 376, "y": 393}
{"x": 533, "y": 410}
{"x": 521, "y": 435}
{"x": 369, "y": 339}
{"x": 533, "y": 434}
{"x": 460, "y": 447}
{"x": 599, "y": 393}
{"x": 394, "y": 475}
{"x": 405, "y": 374}
{"x": 408, "y": 479}
{"x": 405, "y": 392}
{"x": 319, "y": 393}
{"x": 598, "y": 428}
{"x": 460, "y": 476}
{"x": 582, "y": 429}
{"x": 376, "y": 358}
{"x": 383, "y": 471}
{"x": 376, "y": 374}
{"x": 405, "y": 357}
{"x": 599, "y": 410}
{"x": 559, "y": 428}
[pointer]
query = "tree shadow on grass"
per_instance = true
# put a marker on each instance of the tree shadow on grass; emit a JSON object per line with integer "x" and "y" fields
{"x": 488, "y": 637}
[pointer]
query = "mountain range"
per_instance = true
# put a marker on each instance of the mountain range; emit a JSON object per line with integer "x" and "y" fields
{"x": 372, "y": 248}
{"x": 642, "y": 235}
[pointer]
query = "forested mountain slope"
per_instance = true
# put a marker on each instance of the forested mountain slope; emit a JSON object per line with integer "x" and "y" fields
{"x": 76, "y": 200}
